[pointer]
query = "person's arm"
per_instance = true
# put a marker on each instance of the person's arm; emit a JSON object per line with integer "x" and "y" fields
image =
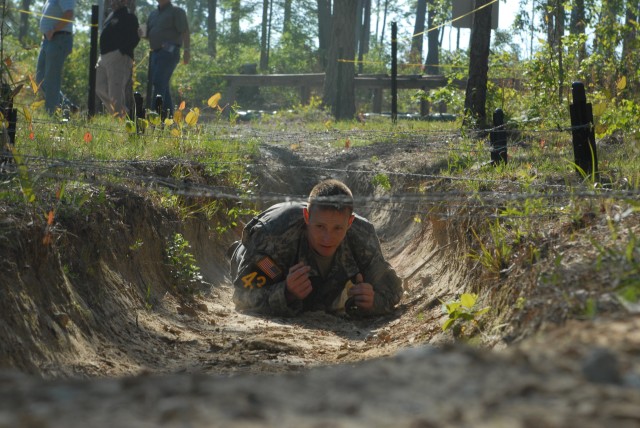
{"x": 379, "y": 288}
{"x": 255, "y": 290}
{"x": 67, "y": 16}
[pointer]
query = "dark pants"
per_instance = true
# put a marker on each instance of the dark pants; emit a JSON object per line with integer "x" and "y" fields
{"x": 163, "y": 63}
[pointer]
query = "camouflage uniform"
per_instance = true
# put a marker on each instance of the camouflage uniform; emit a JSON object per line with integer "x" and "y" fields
{"x": 276, "y": 239}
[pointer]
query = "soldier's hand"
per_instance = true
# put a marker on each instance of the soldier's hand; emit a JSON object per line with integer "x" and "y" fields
{"x": 362, "y": 293}
{"x": 298, "y": 283}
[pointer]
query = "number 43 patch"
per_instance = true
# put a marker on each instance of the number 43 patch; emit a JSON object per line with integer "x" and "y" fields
{"x": 268, "y": 267}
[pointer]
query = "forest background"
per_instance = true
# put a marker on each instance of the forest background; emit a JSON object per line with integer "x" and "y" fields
{"x": 532, "y": 64}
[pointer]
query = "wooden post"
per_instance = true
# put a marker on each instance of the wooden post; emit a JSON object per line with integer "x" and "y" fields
{"x": 394, "y": 72}
{"x": 93, "y": 59}
{"x": 498, "y": 137}
{"x": 584, "y": 139}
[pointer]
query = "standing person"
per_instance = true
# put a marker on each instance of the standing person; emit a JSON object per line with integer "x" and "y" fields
{"x": 168, "y": 33}
{"x": 56, "y": 26}
{"x": 118, "y": 39}
{"x": 297, "y": 257}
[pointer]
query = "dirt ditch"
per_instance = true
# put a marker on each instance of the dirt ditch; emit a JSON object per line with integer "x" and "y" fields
{"x": 93, "y": 333}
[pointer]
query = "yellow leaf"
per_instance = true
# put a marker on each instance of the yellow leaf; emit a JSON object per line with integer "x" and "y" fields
{"x": 192, "y": 118}
{"x": 154, "y": 118}
{"x": 214, "y": 100}
{"x": 177, "y": 116}
{"x": 468, "y": 300}
{"x": 622, "y": 83}
{"x": 27, "y": 113}
{"x": 168, "y": 122}
{"x": 37, "y": 104}
{"x": 599, "y": 109}
{"x": 175, "y": 132}
{"x": 182, "y": 106}
{"x": 34, "y": 85}
{"x": 130, "y": 126}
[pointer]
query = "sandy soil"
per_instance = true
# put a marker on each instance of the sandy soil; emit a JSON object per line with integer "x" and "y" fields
{"x": 85, "y": 343}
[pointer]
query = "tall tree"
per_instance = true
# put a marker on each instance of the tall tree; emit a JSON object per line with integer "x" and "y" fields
{"x": 555, "y": 18}
{"x": 264, "y": 51}
{"x": 418, "y": 31}
{"x": 286, "y": 20}
{"x": 324, "y": 30}
{"x": 578, "y": 25}
{"x": 24, "y": 21}
{"x": 339, "y": 91}
{"x": 630, "y": 40}
{"x": 480, "y": 40}
{"x": 212, "y": 29}
{"x": 432, "y": 63}
{"x": 364, "y": 31}
{"x": 234, "y": 21}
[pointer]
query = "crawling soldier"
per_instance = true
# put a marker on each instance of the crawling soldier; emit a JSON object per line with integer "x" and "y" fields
{"x": 297, "y": 257}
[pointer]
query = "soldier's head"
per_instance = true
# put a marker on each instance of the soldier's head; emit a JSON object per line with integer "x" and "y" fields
{"x": 328, "y": 215}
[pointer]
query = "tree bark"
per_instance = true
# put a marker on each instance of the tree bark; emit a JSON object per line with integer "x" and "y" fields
{"x": 212, "y": 29}
{"x": 339, "y": 91}
{"x": 418, "y": 32}
{"x": 432, "y": 63}
{"x": 324, "y": 31}
{"x": 476, "y": 92}
{"x": 286, "y": 22}
{"x": 365, "y": 32}
{"x": 264, "y": 52}
{"x": 24, "y": 21}
{"x": 234, "y": 22}
{"x": 577, "y": 25}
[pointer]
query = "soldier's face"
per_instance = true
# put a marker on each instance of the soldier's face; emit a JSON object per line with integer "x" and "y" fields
{"x": 326, "y": 229}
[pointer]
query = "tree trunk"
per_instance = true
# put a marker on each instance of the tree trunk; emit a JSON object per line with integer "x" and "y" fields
{"x": 234, "y": 22}
{"x": 339, "y": 91}
{"x": 384, "y": 21}
{"x": 630, "y": 43}
{"x": 365, "y": 32}
{"x": 476, "y": 93}
{"x": 212, "y": 30}
{"x": 432, "y": 63}
{"x": 286, "y": 23}
{"x": 577, "y": 25}
{"x": 264, "y": 53}
{"x": 24, "y": 21}
{"x": 418, "y": 32}
{"x": 324, "y": 31}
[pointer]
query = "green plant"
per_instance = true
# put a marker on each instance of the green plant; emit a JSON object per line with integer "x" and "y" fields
{"x": 184, "y": 268}
{"x": 495, "y": 256}
{"x": 463, "y": 311}
{"x": 381, "y": 180}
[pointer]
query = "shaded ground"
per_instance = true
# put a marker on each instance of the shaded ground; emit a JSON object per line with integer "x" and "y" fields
{"x": 100, "y": 309}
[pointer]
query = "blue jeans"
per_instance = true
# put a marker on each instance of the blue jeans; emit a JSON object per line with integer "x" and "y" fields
{"x": 163, "y": 63}
{"x": 49, "y": 68}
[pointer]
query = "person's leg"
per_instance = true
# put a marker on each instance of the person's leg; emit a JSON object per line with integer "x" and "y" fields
{"x": 163, "y": 65}
{"x": 121, "y": 69}
{"x": 56, "y": 52}
{"x": 102, "y": 84}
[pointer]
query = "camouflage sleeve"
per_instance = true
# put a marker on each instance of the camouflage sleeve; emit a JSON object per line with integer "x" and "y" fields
{"x": 259, "y": 287}
{"x": 376, "y": 270}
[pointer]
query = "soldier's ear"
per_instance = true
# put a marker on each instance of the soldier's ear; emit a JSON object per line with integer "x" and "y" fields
{"x": 305, "y": 213}
{"x": 353, "y": 217}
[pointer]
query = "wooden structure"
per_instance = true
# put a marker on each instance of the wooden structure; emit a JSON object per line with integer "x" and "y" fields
{"x": 307, "y": 82}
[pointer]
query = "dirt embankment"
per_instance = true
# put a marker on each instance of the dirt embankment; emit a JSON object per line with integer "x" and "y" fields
{"x": 100, "y": 302}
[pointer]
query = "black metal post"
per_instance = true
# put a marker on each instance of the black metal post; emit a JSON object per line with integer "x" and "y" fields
{"x": 159, "y": 107}
{"x": 93, "y": 59}
{"x": 149, "y": 84}
{"x": 394, "y": 72}
{"x": 582, "y": 130}
{"x": 498, "y": 138}
{"x": 138, "y": 107}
